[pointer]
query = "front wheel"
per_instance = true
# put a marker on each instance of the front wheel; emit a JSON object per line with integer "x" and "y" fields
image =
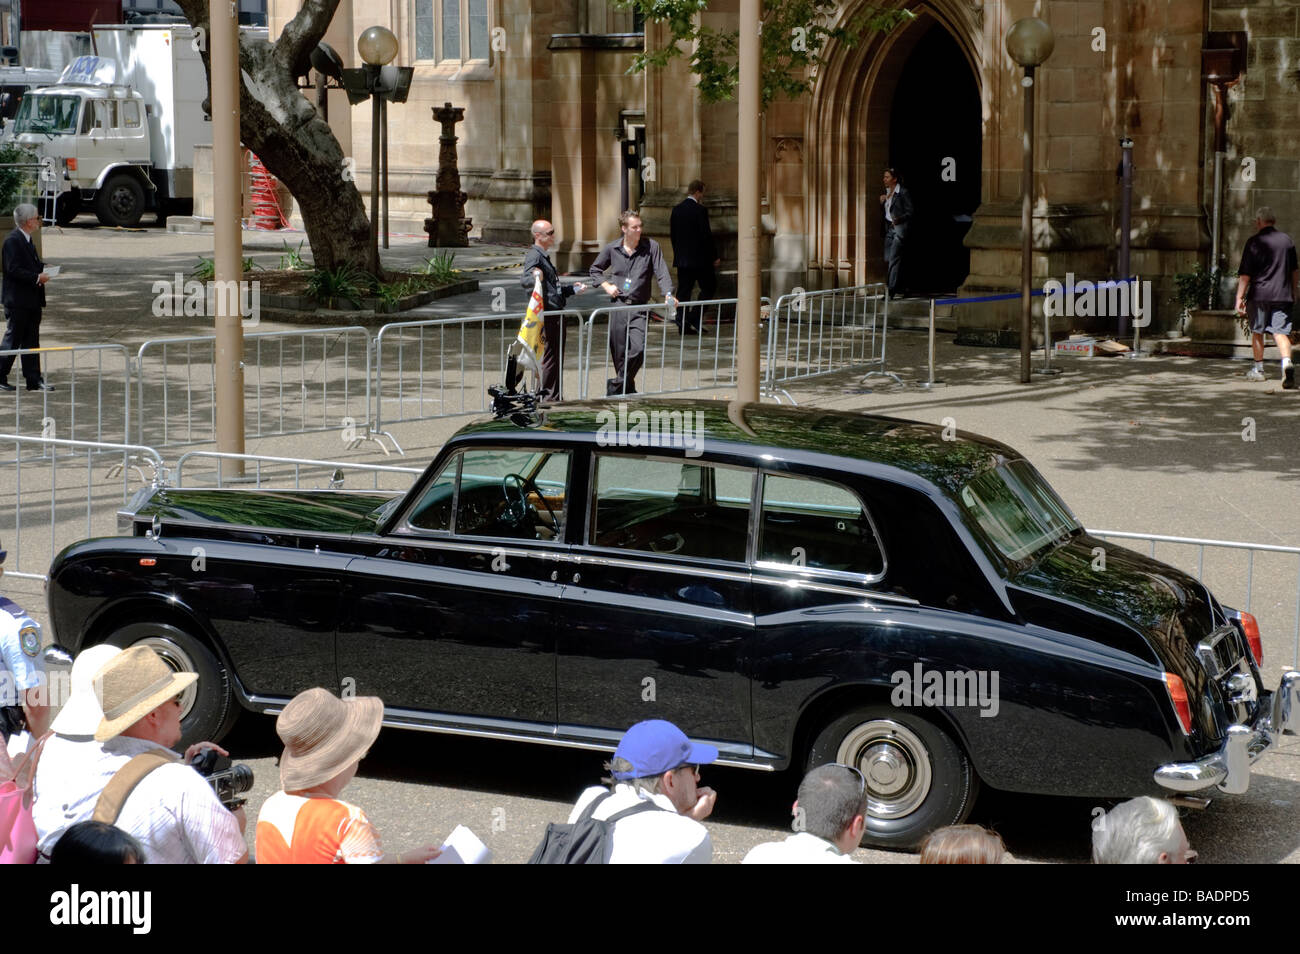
{"x": 208, "y": 706}
{"x": 918, "y": 779}
{"x": 120, "y": 202}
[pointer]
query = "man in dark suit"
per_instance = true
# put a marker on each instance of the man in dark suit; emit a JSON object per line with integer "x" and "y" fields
{"x": 695, "y": 255}
{"x": 897, "y": 205}
{"x": 555, "y": 294}
{"x": 23, "y": 296}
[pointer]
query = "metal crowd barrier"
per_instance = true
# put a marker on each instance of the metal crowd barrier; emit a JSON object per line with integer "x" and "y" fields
{"x": 442, "y": 367}
{"x": 1224, "y": 575}
{"x": 271, "y": 475}
{"x": 294, "y": 382}
{"x": 812, "y": 333}
{"x": 46, "y": 492}
{"x": 91, "y": 400}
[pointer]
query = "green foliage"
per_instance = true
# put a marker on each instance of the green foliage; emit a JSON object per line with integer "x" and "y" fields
{"x": 795, "y": 34}
{"x": 345, "y": 281}
{"x": 1198, "y": 288}
{"x": 206, "y": 269}
{"x": 15, "y": 182}
{"x": 440, "y": 268}
{"x": 291, "y": 259}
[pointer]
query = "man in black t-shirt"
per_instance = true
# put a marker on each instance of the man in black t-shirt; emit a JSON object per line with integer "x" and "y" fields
{"x": 1267, "y": 291}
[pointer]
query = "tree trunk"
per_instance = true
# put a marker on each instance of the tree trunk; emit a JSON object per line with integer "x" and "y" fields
{"x": 283, "y": 128}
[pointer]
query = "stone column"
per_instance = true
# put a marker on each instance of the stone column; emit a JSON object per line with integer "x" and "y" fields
{"x": 448, "y": 228}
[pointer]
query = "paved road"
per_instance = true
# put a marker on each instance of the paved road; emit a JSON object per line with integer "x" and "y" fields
{"x": 1152, "y": 444}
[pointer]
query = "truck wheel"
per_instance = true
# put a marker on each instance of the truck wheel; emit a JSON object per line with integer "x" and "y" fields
{"x": 121, "y": 201}
{"x": 208, "y": 707}
{"x": 67, "y": 208}
{"x": 918, "y": 779}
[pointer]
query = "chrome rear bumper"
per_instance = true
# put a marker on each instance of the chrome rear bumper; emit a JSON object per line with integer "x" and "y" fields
{"x": 1229, "y": 768}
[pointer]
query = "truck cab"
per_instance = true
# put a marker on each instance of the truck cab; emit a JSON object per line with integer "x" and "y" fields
{"x": 93, "y": 144}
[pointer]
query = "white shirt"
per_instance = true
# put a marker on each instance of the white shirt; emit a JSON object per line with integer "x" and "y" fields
{"x": 799, "y": 849}
{"x": 889, "y": 214}
{"x": 648, "y": 837}
{"x": 21, "y": 664}
{"x": 173, "y": 812}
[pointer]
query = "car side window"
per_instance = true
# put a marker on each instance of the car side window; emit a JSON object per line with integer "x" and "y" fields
{"x": 510, "y": 493}
{"x": 682, "y": 507}
{"x": 816, "y": 524}
{"x": 433, "y": 512}
{"x": 131, "y": 114}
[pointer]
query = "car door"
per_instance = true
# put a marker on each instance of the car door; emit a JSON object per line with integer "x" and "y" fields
{"x": 657, "y": 621}
{"x": 453, "y": 611}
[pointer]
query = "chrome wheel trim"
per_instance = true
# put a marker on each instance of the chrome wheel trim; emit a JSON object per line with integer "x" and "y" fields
{"x": 179, "y": 661}
{"x": 895, "y": 763}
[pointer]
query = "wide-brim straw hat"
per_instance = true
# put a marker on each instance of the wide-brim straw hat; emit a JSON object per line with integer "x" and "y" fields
{"x": 81, "y": 714}
{"x": 131, "y": 685}
{"x": 323, "y": 735}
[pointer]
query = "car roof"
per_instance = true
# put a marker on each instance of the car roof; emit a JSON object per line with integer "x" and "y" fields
{"x": 749, "y": 429}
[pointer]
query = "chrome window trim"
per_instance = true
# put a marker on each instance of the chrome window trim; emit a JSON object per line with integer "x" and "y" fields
{"x": 865, "y": 594}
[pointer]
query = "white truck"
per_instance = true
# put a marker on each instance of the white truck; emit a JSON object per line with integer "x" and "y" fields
{"x": 116, "y": 134}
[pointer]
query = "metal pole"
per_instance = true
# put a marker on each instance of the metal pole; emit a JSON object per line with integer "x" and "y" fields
{"x": 1125, "y": 219}
{"x": 383, "y": 158}
{"x": 931, "y": 383}
{"x": 372, "y": 80}
{"x": 1026, "y": 228}
{"x": 749, "y": 152}
{"x": 227, "y": 241}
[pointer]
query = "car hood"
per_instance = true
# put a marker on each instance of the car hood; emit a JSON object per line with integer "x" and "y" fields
{"x": 319, "y": 511}
{"x": 1169, "y": 607}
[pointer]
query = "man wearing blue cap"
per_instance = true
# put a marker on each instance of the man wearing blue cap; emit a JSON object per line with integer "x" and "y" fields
{"x": 656, "y": 768}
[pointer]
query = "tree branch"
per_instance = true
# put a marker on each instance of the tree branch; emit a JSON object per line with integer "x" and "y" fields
{"x": 303, "y": 32}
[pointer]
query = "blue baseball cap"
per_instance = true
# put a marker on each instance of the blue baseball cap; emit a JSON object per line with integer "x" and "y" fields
{"x": 655, "y": 746}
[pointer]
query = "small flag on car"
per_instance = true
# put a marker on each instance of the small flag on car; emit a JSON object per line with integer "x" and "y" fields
{"x": 530, "y": 334}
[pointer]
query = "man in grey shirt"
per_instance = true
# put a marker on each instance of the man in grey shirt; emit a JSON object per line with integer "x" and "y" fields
{"x": 629, "y": 261}
{"x": 1267, "y": 280}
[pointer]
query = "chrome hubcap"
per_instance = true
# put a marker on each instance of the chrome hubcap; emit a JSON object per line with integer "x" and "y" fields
{"x": 179, "y": 661}
{"x": 895, "y": 763}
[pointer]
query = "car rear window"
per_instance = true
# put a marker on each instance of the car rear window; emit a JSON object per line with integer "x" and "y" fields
{"x": 817, "y": 524}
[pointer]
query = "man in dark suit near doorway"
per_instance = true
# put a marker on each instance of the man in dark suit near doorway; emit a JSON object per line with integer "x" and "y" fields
{"x": 897, "y": 204}
{"x": 23, "y": 296}
{"x": 695, "y": 255}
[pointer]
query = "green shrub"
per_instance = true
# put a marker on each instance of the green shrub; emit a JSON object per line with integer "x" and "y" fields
{"x": 440, "y": 268}
{"x": 345, "y": 281}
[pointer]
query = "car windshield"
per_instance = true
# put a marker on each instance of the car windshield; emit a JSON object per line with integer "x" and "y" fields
{"x": 1017, "y": 510}
{"x": 55, "y": 115}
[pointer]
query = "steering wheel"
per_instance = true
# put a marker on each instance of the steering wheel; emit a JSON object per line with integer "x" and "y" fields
{"x": 517, "y": 511}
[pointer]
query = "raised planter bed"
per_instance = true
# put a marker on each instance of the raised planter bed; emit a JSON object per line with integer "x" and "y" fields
{"x": 284, "y": 297}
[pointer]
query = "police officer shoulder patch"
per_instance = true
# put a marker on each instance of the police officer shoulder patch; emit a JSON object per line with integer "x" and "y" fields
{"x": 30, "y": 637}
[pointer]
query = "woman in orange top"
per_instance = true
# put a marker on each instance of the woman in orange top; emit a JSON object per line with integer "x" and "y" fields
{"x": 306, "y": 823}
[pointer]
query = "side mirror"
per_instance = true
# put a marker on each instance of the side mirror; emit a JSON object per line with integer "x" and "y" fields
{"x": 155, "y": 529}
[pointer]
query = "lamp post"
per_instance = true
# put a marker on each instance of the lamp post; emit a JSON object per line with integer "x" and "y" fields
{"x": 1029, "y": 41}
{"x": 377, "y": 47}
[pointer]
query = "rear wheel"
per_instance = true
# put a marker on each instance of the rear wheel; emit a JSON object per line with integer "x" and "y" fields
{"x": 208, "y": 706}
{"x": 918, "y": 779}
{"x": 121, "y": 201}
{"x": 66, "y": 209}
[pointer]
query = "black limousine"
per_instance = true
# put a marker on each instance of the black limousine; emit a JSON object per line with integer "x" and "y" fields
{"x": 794, "y": 586}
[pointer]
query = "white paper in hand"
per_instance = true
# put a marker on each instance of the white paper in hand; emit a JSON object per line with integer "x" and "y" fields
{"x": 463, "y": 847}
{"x": 53, "y": 270}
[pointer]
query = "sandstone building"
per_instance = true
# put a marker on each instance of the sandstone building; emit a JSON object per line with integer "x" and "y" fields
{"x": 553, "y": 122}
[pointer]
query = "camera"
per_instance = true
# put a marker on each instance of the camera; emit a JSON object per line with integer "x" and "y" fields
{"x": 228, "y": 779}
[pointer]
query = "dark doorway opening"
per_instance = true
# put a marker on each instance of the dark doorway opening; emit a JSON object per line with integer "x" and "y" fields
{"x": 935, "y": 143}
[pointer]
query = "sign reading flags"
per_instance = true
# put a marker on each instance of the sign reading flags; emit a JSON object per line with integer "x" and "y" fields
{"x": 530, "y": 334}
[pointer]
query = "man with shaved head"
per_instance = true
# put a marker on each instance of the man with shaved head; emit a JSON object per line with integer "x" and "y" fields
{"x": 555, "y": 295}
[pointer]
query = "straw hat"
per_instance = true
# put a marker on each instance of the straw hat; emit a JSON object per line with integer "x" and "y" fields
{"x": 131, "y": 685}
{"x": 323, "y": 735}
{"x": 81, "y": 714}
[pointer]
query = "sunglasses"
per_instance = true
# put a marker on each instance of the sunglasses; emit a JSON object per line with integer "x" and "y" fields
{"x": 547, "y": 232}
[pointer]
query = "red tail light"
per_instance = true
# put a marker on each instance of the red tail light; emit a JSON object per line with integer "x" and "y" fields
{"x": 71, "y": 163}
{"x": 1250, "y": 626}
{"x": 1178, "y": 696}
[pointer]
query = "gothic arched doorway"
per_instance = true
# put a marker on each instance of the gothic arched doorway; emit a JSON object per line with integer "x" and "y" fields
{"x": 934, "y": 142}
{"x": 912, "y": 99}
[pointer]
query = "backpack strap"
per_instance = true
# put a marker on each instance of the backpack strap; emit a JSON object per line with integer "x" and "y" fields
{"x": 124, "y": 781}
{"x": 645, "y": 806}
{"x": 591, "y": 807}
